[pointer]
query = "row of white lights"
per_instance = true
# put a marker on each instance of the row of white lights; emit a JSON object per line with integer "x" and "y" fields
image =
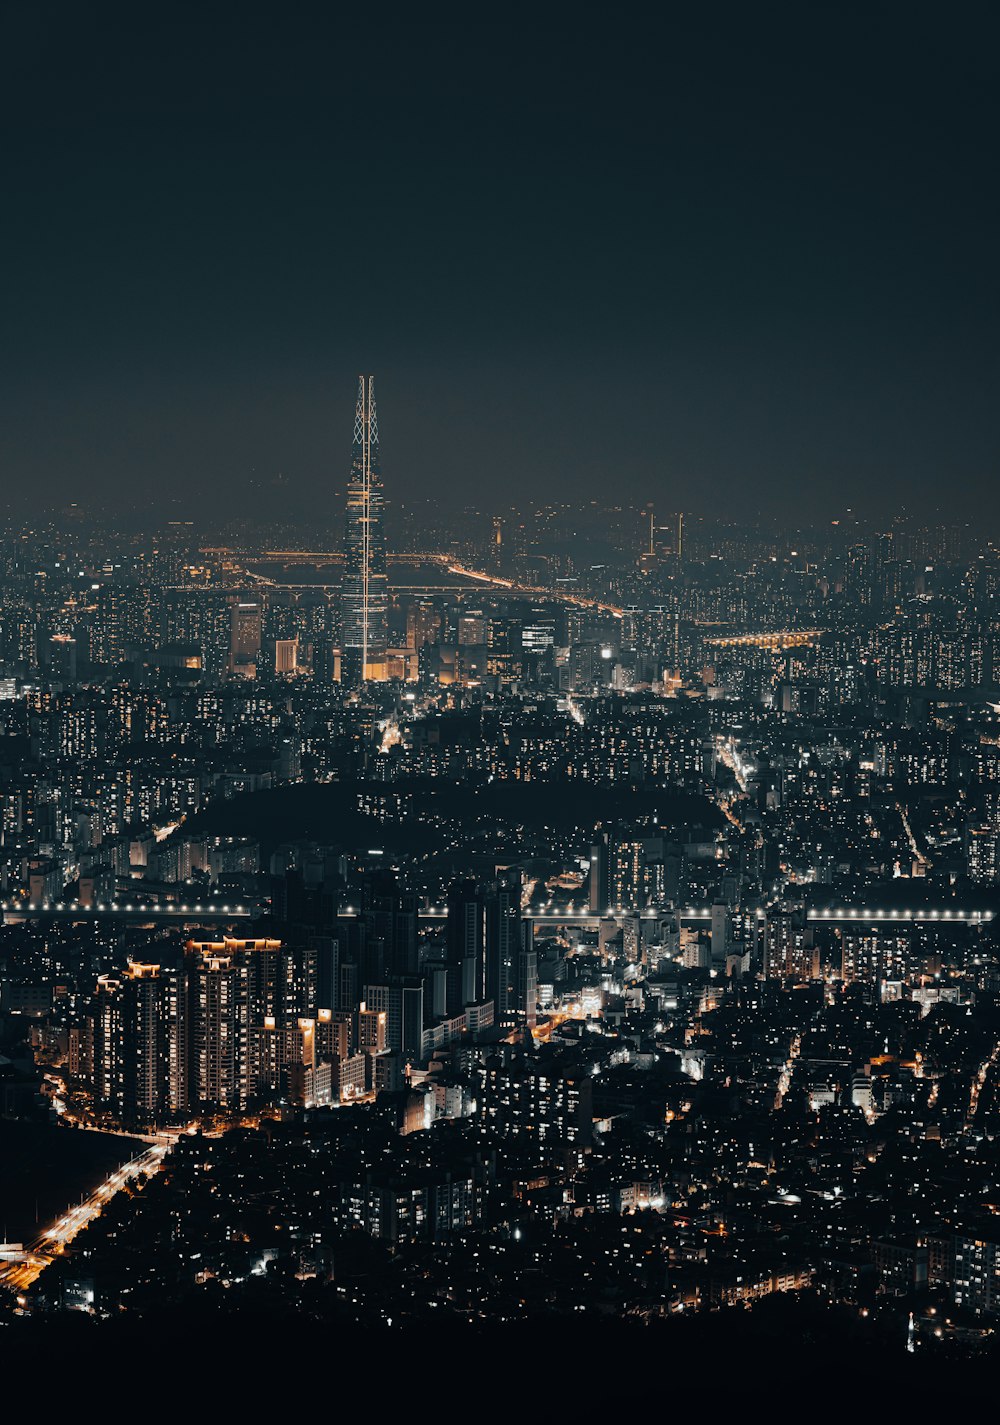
{"x": 850, "y": 913}
{"x": 562, "y": 914}
{"x": 853, "y": 913}
{"x": 116, "y": 906}
{"x": 840, "y": 913}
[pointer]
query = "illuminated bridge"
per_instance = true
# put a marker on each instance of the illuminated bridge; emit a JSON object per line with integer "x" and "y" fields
{"x": 702, "y": 914}
{"x": 15, "y": 911}
{"x": 919, "y": 915}
{"x": 313, "y": 556}
{"x": 329, "y": 556}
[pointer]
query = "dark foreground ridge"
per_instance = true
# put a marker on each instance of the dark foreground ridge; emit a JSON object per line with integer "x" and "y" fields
{"x": 790, "y": 1355}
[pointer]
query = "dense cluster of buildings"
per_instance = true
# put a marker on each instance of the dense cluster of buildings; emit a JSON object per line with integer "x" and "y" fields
{"x": 577, "y": 912}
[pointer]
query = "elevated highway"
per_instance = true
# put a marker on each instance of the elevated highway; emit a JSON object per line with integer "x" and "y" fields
{"x": 136, "y": 910}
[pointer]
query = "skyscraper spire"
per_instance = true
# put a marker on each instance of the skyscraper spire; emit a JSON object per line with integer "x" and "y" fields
{"x": 364, "y": 597}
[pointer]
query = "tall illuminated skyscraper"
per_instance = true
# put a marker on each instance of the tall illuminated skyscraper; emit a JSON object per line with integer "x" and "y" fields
{"x": 365, "y": 595}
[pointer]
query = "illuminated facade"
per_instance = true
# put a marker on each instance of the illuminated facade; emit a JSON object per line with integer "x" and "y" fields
{"x": 364, "y": 597}
{"x": 245, "y": 636}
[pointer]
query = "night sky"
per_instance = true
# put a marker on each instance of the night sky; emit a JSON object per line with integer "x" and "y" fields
{"x": 736, "y": 257}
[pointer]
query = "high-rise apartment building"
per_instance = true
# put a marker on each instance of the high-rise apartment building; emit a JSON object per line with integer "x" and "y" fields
{"x": 465, "y": 935}
{"x": 144, "y": 1045}
{"x": 503, "y": 946}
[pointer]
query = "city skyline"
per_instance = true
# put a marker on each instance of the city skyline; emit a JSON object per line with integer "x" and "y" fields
{"x": 630, "y": 930}
{"x": 507, "y": 889}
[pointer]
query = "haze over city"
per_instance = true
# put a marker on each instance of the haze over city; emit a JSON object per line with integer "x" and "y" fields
{"x": 741, "y": 256}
